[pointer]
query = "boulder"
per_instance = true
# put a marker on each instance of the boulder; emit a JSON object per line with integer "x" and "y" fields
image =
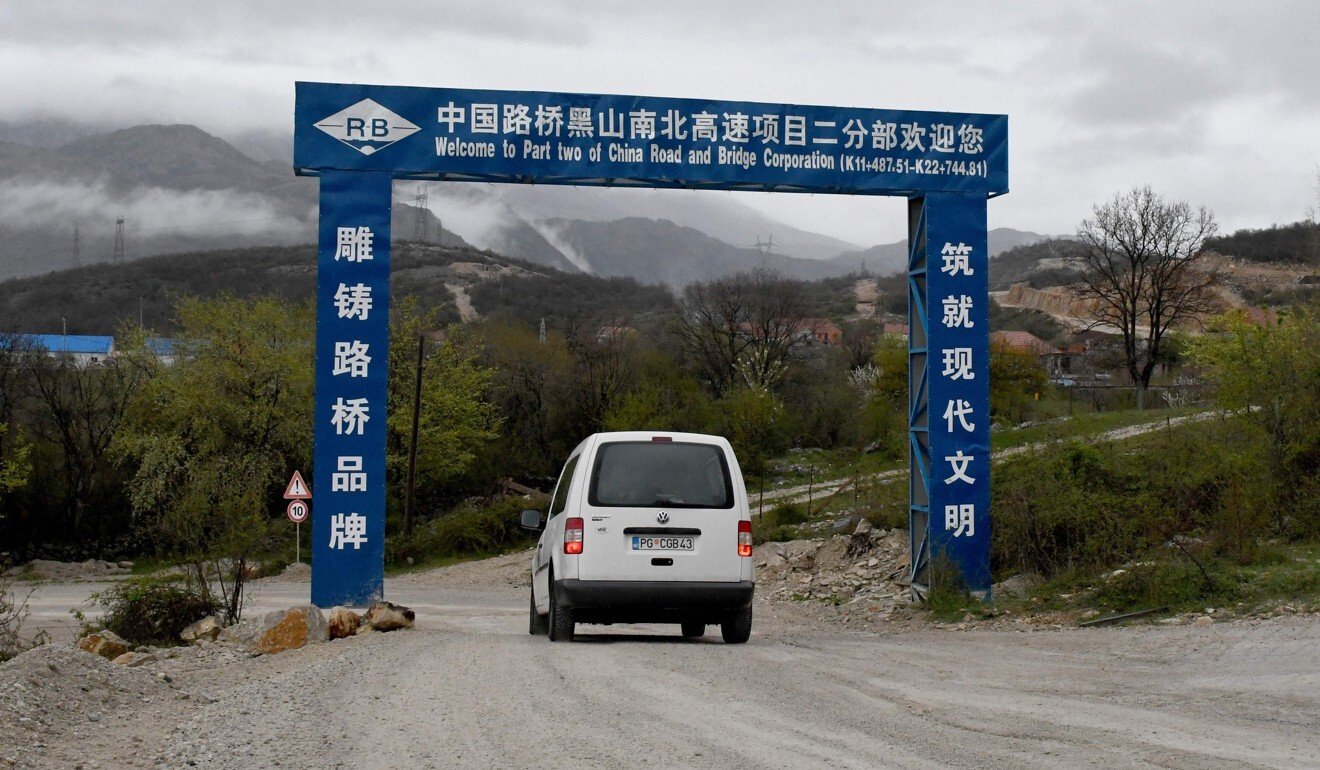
{"x": 207, "y": 628}
{"x": 105, "y": 643}
{"x": 244, "y": 634}
{"x": 386, "y": 616}
{"x": 833, "y": 553}
{"x": 291, "y": 629}
{"x": 846, "y": 524}
{"x": 135, "y": 659}
{"x": 299, "y": 570}
{"x": 772, "y": 555}
{"x": 1016, "y": 587}
{"x": 343, "y": 623}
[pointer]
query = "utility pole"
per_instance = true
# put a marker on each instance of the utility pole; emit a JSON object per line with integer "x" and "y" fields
{"x": 412, "y": 444}
{"x": 119, "y": 240}
{"x": 421, "y": 202}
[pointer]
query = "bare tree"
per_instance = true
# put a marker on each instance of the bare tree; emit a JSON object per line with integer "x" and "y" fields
{"x": 78, "y": 408}
{"x": 1139, "y": 266}
{"x": 1313, "y": 211}
{"x": 742, "y": 330}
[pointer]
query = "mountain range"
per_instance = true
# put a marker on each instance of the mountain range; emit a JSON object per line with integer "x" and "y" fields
{"x": 179, "y": 188}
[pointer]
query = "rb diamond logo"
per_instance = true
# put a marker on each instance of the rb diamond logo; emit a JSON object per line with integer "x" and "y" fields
{"x": 367, "y": 127}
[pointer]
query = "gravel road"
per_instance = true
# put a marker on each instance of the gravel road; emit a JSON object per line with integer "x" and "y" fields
{"x": 470, "y": 688}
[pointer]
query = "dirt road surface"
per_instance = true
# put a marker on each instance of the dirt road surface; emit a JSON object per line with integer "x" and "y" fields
{"x": 470, "y": 688}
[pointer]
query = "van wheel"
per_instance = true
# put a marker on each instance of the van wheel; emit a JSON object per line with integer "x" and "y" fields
{"x": 737, "y": 628}
{"x": 537, "y": 624}
{"x": 693, "y": 630}
{"x": 561, "y": 618}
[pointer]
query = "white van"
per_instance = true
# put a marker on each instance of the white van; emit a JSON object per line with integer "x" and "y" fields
{"x": 645, "y": 528}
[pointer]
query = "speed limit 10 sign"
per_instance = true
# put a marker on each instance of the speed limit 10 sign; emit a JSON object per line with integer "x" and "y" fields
{"x": 298, "y": 511}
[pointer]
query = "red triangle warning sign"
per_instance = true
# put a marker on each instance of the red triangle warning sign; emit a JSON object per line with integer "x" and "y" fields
{"x": 297, "y": 488}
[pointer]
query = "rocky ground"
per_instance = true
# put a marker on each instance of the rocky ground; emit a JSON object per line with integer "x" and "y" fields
{"x": 841, "y": 672}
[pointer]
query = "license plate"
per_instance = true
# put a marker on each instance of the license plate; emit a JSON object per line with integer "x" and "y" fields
{"x": 661, "y": 543}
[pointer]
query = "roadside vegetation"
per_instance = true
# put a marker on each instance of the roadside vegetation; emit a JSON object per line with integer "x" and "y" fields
{"x": 181, "y": 462}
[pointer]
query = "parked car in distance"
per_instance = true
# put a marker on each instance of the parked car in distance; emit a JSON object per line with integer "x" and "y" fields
{"x": 645, "y": 527}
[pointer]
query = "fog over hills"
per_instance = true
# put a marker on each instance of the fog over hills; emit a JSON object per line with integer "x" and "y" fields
{"x": 179, "y": 189}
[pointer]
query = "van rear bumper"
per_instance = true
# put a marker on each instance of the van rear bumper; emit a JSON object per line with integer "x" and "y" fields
{"x": 652, "y": 601}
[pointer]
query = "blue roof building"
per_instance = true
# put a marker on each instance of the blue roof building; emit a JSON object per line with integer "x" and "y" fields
{"x": 74, "y": 344}
{"x": 84, "y": 349}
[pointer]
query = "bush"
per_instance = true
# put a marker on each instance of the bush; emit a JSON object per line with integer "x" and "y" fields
{"x": 1080, "y": 507}
{"x": 779, "y": 523}
{"x": 485, "y": 529}
{"x": 151, "y": 611}
{"x": 1155, "y": 584}
{"x": 13, "y": 612}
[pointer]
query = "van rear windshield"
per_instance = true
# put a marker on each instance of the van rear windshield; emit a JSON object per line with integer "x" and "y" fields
{"x": 642, "y": 474}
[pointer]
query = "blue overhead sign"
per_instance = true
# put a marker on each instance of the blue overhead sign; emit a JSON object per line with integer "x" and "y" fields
{"x": 600, "y": 139}
{"x": 359, "y": 138}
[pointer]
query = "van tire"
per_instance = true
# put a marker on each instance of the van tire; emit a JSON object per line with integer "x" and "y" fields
{"x": 737, "y": 628}
{"x": 537, "y": 624}
{"x": 693, "y": 630}
{"x": 561, "y": 618}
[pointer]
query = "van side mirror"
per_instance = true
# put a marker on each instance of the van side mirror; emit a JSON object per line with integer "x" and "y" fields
{"x": 531, "y": 520}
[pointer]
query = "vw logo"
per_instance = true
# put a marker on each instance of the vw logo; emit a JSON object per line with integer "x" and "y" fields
{"x": 662, "y": 517}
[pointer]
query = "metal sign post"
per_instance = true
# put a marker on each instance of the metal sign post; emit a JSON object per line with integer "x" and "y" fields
{"x": 297, "y": 512}
{"x": 297, "y": 493}
{"x": 359, "y": 138}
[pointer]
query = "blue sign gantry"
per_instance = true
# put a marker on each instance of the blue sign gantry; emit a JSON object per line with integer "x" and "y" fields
{"x": 359, "y": 138}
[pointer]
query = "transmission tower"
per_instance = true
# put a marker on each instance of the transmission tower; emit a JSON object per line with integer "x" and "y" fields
{"x": 119, "y": 240}
{"x": 765, "y": 247}
{"x": 541, "y": 337}
{"x": 77, "y": 246}
{"x": 421, "y": 202}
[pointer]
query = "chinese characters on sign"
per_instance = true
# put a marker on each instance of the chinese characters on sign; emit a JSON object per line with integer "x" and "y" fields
{"x": 600, "y": 139}
{"x": 352, "y": 313}
{"x": 358, "y": 138}
{"x": 958, "y": 364}
{"x": 957, "y": 355}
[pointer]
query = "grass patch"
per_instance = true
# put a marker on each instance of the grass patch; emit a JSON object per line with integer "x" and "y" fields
{"x": 1083, "y": 425}
{"x": 1282, "y": 574}
{"x": 819, "y": 465}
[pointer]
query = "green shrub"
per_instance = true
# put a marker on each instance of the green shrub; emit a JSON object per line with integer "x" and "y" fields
{"x": 778, "y": 523}
{"x": 1147, "y": 585}
{"x": 148, "y": 611}
{"x": 484, "y": 529}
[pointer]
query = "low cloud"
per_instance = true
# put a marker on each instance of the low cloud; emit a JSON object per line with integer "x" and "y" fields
{"x": 147, "y": 211}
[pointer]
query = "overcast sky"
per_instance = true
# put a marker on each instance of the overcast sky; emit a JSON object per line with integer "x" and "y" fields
{"x": 1217, "y": 103}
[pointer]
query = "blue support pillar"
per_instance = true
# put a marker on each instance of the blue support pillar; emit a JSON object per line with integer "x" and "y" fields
{"x": 352, "y": 350}
{"x": 948, "y": 391}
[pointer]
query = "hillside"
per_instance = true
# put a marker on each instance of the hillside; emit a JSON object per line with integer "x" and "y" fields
{"x": 180, "y": 189}
{"x": 98, "y": 298}
{"x": 892, "y": 257}
{"x": 659, "y": 251}
{"x": 1297, "y": 243}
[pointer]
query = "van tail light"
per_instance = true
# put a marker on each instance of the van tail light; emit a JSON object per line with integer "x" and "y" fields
{"x": 744, "y": 538}
{"x": 573, "y": 536}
